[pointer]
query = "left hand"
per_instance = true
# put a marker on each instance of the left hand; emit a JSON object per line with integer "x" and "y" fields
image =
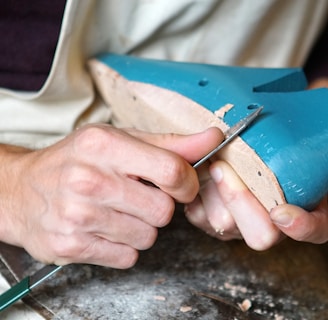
{"x": 226, "y": 209}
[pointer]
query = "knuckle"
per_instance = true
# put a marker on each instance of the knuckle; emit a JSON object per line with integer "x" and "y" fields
{"x": 128, "y": 260}
{"x": 163, "y": 213}
{"x": 229, "y": 197}
{"x": 147, "y": 240}
{"x": 67, "y": 250}
{"x": 309, "y": 233}
{"x": 95, "y": 139}
{"x": 90, "y": 137}
{"x": 173, "y": 172}
{"x": 74, "y": 217}
{"x": 84, "y": 180}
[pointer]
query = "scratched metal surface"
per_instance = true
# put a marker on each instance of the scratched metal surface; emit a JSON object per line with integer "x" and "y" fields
{"x": 187, "y": 275}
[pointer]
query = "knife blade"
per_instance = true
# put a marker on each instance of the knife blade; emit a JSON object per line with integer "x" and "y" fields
{"x": 22, "y": 288}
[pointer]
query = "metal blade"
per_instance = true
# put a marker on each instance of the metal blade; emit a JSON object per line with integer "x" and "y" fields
{"x": 231, "y": 134}
{"x": 22, "y": 288}
{"x": 43, "y": 274}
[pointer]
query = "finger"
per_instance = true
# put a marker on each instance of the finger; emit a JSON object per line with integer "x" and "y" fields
{"x": 117, "y": 191}
{"x": 301, "y": 225}
{"x": 218, "y": 216}
{"x": 251, "y": 218}
{"x": 128, "y": 156}
{"x": 122, "y": 228}
{"x": 114, "y": 255}
{"x": 101, "y": 252}
{"x": 149, "y": 204}
{"x": 170, "y": 173}
{"x": 110, "y": 148}
{"x": 77, "y": 244}
{"x": 85, "y": 206}
{"x": 190, "y": 147}
{"x": 62, "y": 249}
{"x": 196, "y": 215}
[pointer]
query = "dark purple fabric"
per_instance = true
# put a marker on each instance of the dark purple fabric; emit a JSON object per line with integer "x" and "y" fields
{"x": 317, "y": 64}
{"x": 28, "y": 37}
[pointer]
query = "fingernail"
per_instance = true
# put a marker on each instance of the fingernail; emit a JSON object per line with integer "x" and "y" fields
{"x": 216, "y": 174}
{"x": 283, "y": 219}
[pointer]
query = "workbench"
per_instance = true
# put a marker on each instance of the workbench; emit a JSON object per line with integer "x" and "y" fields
{"x": 185, "y": 275}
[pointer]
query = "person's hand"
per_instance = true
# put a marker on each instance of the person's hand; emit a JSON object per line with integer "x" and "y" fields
{"x": 226, "y": 209}
{"x": 302, "y": 225}
{"x": 85, "y": 200}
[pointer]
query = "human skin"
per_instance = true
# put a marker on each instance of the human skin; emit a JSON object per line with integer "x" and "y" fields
{"x": 84, "y": 200}
{"x": 226, "y": 209}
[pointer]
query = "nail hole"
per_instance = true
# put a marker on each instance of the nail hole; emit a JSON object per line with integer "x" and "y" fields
{"x": 253, "y": 106}
{"x": 203, "y": 82}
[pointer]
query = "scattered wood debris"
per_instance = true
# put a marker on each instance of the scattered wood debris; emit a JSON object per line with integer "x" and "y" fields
{"x": 245, "y": 305}
{"x": 220, "y": 113}
{"x": 185, "y": 308}
{"x": 159, "y": 298}
{"x": 159, "y": 280}
{"x": 234, "y": 289}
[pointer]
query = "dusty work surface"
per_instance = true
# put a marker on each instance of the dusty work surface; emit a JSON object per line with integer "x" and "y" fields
{"x": 187, "y": 275}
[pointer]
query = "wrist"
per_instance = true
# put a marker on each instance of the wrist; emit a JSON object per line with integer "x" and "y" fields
{"x": 11, "y": 168}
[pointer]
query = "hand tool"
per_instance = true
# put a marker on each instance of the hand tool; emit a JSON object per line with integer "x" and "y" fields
{"x": 22, "y": 288}
{"x": 231, "y": 134}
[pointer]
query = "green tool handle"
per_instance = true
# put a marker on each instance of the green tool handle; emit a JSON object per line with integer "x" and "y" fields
{"x": 15, "y": 293}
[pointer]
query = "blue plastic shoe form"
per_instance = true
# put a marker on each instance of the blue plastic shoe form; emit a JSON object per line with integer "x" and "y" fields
{"x": 291, "y": 135}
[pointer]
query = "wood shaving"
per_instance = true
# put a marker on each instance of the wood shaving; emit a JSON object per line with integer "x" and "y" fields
{"x": 245, "y": 305}
{"x": 159, "y": 298}
{"x": 185, "y": 308}
{"x": 234, "y": 289}
{"x": 222, "y": 111}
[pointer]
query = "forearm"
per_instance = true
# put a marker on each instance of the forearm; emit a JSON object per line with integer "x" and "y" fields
{"x": 11, "y": 166}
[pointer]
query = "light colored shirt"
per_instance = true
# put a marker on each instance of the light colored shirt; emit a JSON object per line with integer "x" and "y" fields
{"x": 271, "y": 33}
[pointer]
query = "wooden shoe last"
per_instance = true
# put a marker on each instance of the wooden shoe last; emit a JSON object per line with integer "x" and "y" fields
{"x": 282, "y": 157}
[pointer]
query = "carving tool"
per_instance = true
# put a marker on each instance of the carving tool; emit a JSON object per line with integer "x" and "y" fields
{"x": 22, "y": 288}
{"x": 231, "y": 134}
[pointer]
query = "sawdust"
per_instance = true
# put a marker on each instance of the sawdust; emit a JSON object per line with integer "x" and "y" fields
{"x": 235, "y": 289}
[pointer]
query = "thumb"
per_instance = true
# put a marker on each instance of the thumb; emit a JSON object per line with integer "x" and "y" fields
{"x": 191, "y": 147}
{"x": 301, "y": 225}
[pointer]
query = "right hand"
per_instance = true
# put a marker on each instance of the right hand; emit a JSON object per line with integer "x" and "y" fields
{"x": 81, "y": 200}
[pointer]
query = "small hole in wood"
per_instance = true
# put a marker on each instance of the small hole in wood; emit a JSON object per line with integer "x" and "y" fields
{"x": 203, "y": 82}
{"x": 253, "y": 106}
